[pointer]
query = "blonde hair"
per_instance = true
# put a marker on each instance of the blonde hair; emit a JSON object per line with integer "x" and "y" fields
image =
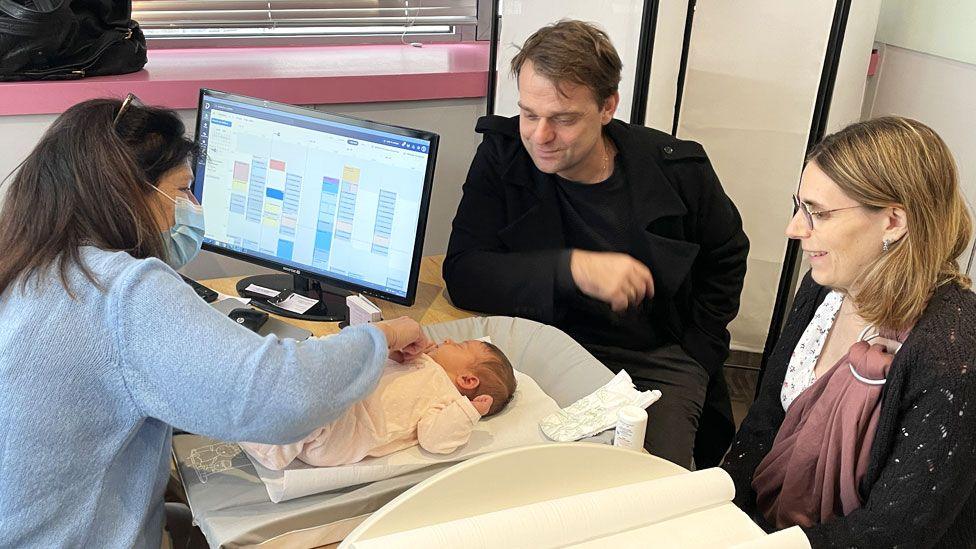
{"x": 902, "y": 163}
{"x": 497, "y": 379}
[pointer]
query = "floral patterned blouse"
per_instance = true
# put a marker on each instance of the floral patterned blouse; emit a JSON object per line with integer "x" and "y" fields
{"x": 799, "y": 373}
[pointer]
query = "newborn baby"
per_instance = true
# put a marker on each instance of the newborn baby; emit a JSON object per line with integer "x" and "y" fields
{"x": 434, "y": 400}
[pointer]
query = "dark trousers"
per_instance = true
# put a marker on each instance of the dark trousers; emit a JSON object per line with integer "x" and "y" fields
{"x": 673, "y": 420}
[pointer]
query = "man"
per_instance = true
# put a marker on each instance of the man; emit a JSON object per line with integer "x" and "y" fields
{"x": 618, "y": 234}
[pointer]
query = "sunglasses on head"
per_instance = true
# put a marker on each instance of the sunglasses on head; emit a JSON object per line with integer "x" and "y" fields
{"x": 129, "y": 100}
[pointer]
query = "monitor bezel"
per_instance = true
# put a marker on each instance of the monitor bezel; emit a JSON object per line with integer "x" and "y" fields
{"x": 418, "y": 249}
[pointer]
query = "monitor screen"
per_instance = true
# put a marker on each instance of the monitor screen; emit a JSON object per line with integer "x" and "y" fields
{"x": 324, "y": 196}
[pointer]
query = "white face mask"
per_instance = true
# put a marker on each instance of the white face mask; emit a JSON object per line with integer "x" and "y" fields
{"x": 184, "y": 239}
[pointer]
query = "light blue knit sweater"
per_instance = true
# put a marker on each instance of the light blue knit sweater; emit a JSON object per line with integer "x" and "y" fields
{"x": 91, "y": 388}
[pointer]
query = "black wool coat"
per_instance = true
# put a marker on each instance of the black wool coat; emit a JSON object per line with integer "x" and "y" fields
{"x": 508, "y": 238}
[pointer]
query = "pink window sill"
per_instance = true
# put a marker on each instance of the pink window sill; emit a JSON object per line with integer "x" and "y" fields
{"x": 298, "y": 75}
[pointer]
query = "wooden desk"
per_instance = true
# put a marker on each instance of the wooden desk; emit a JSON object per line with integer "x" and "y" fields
{"x": 430, "y": 307}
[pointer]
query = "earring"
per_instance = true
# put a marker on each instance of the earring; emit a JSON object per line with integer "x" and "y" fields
{"x": 885, "y": 245}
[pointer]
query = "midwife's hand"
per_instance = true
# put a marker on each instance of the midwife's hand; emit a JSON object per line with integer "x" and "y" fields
{"x": 614, "y": 278}
{"x": 404, "y": 338}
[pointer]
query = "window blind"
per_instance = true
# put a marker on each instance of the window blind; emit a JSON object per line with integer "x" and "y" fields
{"x": 255, "y": 14}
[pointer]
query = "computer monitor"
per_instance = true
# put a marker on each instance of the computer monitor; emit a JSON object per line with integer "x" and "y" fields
{"x": 337, "y": 203}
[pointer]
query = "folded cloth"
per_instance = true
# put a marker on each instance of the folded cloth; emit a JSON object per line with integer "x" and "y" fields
{"x": 597, "y": 411}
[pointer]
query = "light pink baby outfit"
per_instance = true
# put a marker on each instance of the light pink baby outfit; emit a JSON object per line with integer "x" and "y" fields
{"x": 415, "y": 403}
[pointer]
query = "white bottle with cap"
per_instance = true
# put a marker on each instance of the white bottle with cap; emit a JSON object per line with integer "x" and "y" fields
{"x": 631, "y": 426}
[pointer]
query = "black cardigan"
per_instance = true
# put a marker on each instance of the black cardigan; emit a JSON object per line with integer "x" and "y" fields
{"x": 918, "y": 488}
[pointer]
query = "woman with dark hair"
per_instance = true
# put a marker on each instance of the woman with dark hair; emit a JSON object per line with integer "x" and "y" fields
{"x": 861, "y": 432}
{"x": 104, "y": 349}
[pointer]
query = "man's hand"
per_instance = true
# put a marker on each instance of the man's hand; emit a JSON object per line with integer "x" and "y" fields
{"x": 614, "y": 278}
{"x": 404, "y": 338}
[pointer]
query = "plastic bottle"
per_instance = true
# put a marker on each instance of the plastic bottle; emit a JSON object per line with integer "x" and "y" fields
{"x": 631, "y": 427}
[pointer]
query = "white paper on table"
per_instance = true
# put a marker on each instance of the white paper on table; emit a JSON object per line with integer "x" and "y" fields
{"x": 569, "y": 520}
{"x": 720, "y": 526}
{"x": 224, "y": 297}
{"x": 262, "y": 290}
{"x": 296, "y": 303}
{"x": 791, "y": 538}
{"x": 692, "y": 510}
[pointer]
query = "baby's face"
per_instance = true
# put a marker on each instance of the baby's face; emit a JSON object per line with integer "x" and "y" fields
{"x": 457, "y": 358}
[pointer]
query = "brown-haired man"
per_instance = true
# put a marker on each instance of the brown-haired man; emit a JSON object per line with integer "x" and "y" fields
{"x": 618, "y": 234}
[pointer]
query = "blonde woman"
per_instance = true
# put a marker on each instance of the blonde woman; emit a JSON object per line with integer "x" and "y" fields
{"x": 862, "y": 432}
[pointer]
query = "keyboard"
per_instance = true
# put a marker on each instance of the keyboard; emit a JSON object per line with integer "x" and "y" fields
{"x": 204, "y": 292}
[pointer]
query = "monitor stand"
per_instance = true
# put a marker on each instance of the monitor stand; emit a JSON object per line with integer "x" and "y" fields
{"x": 330, "y": 308}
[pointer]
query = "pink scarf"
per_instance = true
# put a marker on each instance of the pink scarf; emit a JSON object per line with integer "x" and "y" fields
{"x": 822, "y": 449}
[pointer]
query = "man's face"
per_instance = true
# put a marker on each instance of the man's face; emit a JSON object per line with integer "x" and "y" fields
{"x": 562, "y": 130}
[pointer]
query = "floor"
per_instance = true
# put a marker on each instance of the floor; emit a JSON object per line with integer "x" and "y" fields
{"x": 741, "y": 373}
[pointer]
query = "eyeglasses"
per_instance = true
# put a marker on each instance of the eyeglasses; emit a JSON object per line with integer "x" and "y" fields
{"x": 808, "y": 215}
{"x": 129, "y": 100}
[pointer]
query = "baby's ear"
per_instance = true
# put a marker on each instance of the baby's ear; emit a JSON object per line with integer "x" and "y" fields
{"x": 482, "y": 403}
{"x": 468, "y": 382}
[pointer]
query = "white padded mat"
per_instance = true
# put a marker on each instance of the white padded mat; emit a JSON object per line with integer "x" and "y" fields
{"x": 516, "y": 425}
{"x": 230, "y": 502}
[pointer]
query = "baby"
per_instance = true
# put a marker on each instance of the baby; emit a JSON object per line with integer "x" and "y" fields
{"x": 434, "y": 400}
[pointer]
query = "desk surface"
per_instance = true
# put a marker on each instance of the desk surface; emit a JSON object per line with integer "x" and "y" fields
{"x": 430, "y": 307}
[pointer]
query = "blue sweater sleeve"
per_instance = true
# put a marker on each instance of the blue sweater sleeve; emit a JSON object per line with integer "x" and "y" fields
{"x": 185, "y": 363}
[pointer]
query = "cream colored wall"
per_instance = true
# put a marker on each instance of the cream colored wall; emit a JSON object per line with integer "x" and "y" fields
{"x": 749, "y": 95}
{"x": 669, "y": 38}
{"x": 938, "y": 92}
{"x": 928, "y": 72}
{"x": 520, "y": 18}
{"x": 452, "y": 119}
{"x": 938, "y": 27}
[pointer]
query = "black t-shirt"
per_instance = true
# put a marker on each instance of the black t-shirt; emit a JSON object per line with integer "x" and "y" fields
{"x": 598, "y": 217}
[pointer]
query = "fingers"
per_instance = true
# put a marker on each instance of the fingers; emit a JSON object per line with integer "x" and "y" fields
{"x": 401, "y": 332}
{"x": 418, "y": 347}
{"x": 615, "y": 278}
{"x": 638, "y": 292}
{"x": 618, "y": 302}
{"x": 638, "y": 284}
{"x": 648, "y": 281}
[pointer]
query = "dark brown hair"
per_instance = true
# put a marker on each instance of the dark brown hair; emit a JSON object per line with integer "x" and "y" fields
{"x": 497, "y": 379}
{"x": 87, "y": 182}
{"x": 575, "y": 52}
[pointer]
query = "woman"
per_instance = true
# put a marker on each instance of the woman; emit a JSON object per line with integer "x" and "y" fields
{"x": 882, "y": 219}
{"x": 104, "y": 349}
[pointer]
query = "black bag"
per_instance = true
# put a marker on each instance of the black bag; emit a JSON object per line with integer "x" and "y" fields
{"x": 67, "y": 39}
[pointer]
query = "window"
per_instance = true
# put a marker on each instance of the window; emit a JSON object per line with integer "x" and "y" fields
{"x": 238, "y": 22}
